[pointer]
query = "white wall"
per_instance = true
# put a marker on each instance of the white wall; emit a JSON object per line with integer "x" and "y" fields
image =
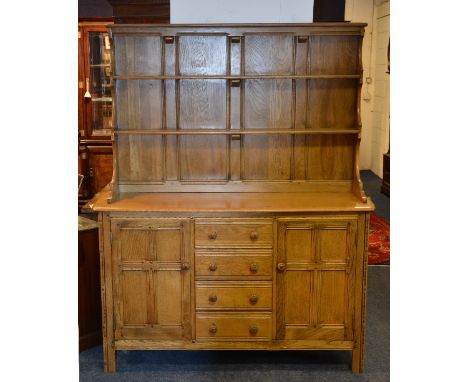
{"x": 375, "y": 100}
{"x": 241, "y": 11}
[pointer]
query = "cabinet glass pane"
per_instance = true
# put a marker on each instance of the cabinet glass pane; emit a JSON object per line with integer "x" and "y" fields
{"x": 100, "y": 83}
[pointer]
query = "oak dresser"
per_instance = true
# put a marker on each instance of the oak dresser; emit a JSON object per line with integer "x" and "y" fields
{"x": 236, "y": 217}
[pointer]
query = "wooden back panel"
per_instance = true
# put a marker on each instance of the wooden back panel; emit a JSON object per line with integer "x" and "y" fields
{"x": 236, "y": 107}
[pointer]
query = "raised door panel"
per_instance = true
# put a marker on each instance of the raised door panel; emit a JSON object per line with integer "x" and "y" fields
{"x": 152, "y": 273}
{"x": 314, "y": 288}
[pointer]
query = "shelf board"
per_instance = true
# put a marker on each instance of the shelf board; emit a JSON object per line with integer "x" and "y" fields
{"x": 99, "y": 65}
{"x": 235, "y": 132}
{"x": 101, "y": 99}
{"x": 265, "y": 202}
{"x": 244, "y": 77}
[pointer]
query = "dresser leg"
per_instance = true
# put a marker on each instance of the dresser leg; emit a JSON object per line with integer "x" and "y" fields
{"x": 358, "y": 360}
{"x": 109, "y": 358}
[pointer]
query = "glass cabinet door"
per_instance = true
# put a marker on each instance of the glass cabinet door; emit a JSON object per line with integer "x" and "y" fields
{"x": 98, "y": 84}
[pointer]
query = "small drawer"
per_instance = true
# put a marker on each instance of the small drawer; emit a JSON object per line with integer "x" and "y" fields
{"x": 234, "y": 326}
{"x": 227, "y": 233}
{"x": 233, "y": 295}
{"x": 221, "y": 264}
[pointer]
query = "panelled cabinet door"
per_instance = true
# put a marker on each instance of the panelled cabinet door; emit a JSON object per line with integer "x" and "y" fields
{"x": 152, "y": 265}
{"x": 315, "y": 276}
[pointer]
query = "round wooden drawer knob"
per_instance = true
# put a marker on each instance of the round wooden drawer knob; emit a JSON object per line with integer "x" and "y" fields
{"x": 253, "y": 330}
{"x": 213, "y": 329}
{"x": 253, "y": 235}
{"x": 281, "y": 267}
{"x": 253, "y": 267}
{"x": 185, "y": 266}
{"x": 213, "y": 235}
{"x": 213, "y": 267}
{"x": 253, "y": 299}
{"x": 212, "y": 298}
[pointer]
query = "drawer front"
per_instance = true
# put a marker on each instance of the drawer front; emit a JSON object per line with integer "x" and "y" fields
{"x": 233, "y": 295}
{"x": 227, "y": 233}
{"x": 217, "y": 264}
{"x": 234, "y": 326}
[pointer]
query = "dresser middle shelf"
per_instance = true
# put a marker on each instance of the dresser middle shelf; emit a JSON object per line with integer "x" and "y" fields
{"x": 244, "y": 131}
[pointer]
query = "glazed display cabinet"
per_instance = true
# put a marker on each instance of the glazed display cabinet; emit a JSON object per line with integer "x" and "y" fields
{"x": 235, "y": 218}
{"x": 95, "y": 107}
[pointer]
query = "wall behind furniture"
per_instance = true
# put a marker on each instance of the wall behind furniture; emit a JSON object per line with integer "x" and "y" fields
{"x": 323, "y": 10}
{"x": 241, "y": 11}
{"x": 94, "y": 8}
{"x": 375, "y": 100}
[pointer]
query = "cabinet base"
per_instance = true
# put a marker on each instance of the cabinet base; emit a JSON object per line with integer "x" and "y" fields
{"x": 357, "y": 356}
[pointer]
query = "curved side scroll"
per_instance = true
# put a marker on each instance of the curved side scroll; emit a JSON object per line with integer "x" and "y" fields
{"x": 358, "y": 188}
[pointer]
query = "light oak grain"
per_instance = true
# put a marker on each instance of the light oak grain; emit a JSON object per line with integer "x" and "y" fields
{"x": 237, "y": 217}
{"x": 233, "y": 295}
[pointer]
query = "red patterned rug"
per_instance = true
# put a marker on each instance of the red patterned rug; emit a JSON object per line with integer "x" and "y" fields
{"x": 379, "y": 241}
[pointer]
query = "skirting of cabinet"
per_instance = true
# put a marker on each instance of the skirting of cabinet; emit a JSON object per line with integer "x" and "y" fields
{"x": 233, "y": 345}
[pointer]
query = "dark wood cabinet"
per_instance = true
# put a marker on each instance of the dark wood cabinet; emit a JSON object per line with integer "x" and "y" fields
{"x": 95, "y": 119}
{"x": 89, "y": 292}
{"x": 99, "y": 167}
{"x": 141, "y": 11}
{"x": 386, "y": 174}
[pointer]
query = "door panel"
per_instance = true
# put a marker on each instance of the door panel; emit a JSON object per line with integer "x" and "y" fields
{"x": 168, "y": 305}
{"x": 312, "y": 291}
{"x": 298, "y": 285}
{"x": 135, "y": 304}
{"x": 332, "y": 289}
{"x": 152, "y": 273}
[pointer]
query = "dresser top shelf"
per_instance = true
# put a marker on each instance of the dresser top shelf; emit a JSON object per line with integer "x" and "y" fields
{"x": 237, "y": 108}
{"x": 230, "y": 202}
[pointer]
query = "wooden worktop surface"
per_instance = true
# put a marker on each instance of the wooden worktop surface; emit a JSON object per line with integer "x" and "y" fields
{"x": 227, "y": 202}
